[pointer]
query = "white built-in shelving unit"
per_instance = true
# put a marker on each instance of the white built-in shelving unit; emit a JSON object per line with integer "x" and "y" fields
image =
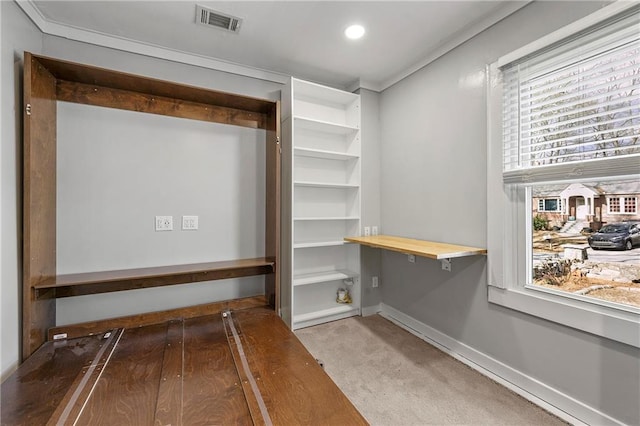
{"x": 321, "y": 163}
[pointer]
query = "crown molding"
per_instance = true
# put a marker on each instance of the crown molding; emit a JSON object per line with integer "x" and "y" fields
{"x": 460, "y": 38}
{"x": 594, "y": 18}
{"x": 146, "y": 49}
{"x": 364, "y": 84}
{"x": 53, "y": 28}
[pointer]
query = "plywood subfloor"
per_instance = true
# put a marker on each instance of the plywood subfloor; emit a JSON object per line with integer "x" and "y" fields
{"x": 246, "y": 368}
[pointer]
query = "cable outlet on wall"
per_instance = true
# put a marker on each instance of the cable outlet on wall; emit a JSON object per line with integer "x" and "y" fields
{"x": 164, "y": 223}
{"x": 367, "y": 231}
{"x": 412, "y": 258}
{"x": 374, "y": 230}
{"x": 189, "y": 223}
{"x": 374, "y": 282}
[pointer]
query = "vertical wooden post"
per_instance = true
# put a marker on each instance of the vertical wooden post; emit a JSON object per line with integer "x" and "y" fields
{"x": 39, "y": 201}
{"x": 272, "y": 214}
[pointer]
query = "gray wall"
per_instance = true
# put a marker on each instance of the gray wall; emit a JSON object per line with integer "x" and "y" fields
{"x": 18, "y": 34}
{"x": 118, "y": 169}
{"x": 434, "y": 185}
{"x": 370, "y": 259}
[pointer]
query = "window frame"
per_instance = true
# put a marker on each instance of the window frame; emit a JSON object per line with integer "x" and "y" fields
{"x": 544, "y": 207}
{"x": 610, "y": 204}
{"x": 635, "y": 205}
{"x": 508, "y": 221}
{"x": 622, "y": 204}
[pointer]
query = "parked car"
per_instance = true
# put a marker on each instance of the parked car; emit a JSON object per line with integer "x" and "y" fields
{"x": 622, "y": 236}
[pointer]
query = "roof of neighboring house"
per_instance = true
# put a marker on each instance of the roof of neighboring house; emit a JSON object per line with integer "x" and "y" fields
{"x": 600, "y": 187}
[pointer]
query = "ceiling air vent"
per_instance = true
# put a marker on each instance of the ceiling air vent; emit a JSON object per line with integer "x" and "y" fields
{"x": 212, "y": 18}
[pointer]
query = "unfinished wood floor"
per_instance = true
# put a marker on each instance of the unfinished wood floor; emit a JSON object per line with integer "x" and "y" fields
{"x": 246, "y": 368}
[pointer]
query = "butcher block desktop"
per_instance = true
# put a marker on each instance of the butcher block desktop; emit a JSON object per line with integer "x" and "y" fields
{"x": 429, "y": 249}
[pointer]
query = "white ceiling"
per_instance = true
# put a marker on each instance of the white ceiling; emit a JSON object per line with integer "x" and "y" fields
{"x": 303, "y": 39}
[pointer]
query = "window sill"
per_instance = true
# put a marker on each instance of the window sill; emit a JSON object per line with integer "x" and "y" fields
{"x": 602, "y": 321}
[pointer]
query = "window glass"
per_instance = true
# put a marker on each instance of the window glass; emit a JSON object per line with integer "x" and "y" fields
{"x": 589, "y": 250}
{"x": 630, "y": 204}
{"x": 614, "y": 205}
{"x": 551, "y": 205}
{"x": 574, "y": 109}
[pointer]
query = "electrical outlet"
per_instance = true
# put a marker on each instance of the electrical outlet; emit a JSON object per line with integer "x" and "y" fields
{"x": 367, "y": 231}
{"x": 374, "y": 282}
{"x": 189, "y": 223}
{"x": 374, "y": 230}
{"x": 412, "y": 258}
{"x": 164, "y": 223}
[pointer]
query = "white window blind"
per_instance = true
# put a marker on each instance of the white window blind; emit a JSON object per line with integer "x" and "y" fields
{"x": 573, "y": 109}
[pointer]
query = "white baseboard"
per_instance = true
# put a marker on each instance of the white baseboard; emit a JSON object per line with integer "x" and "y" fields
{"x": 550, "y": 399}
{"x": 371, "y": 310}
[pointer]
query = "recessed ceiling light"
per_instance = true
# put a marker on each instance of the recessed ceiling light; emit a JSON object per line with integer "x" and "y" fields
{"x": 354, "y": 32}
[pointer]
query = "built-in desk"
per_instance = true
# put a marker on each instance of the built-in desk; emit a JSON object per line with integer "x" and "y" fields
{"x": 432, "y": 250}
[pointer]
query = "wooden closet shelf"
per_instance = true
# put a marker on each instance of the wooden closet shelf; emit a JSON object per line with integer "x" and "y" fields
{"x": 131, "y": 279}
{"x": 430, "y": 249}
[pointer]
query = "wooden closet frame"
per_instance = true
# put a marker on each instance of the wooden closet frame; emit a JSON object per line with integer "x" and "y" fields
{"x": 48, "y": 80}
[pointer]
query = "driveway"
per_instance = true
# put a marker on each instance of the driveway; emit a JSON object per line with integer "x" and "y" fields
{"x": 628, "y": 257}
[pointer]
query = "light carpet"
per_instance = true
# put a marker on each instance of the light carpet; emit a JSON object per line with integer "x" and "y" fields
{"x": 395, "y": 378}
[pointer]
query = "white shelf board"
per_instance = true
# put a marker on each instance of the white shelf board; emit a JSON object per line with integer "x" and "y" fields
{"x": 323, "y": 314}
{"x": 307, "y": 90}
{"x": 321, "y": 153}
{"x": 325, "y": 185}
{"x": 327, "y": 218}
{"x": 320, "y": 244}
{"x": 323, "y": 126}
{"x": 323, "y": 277}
